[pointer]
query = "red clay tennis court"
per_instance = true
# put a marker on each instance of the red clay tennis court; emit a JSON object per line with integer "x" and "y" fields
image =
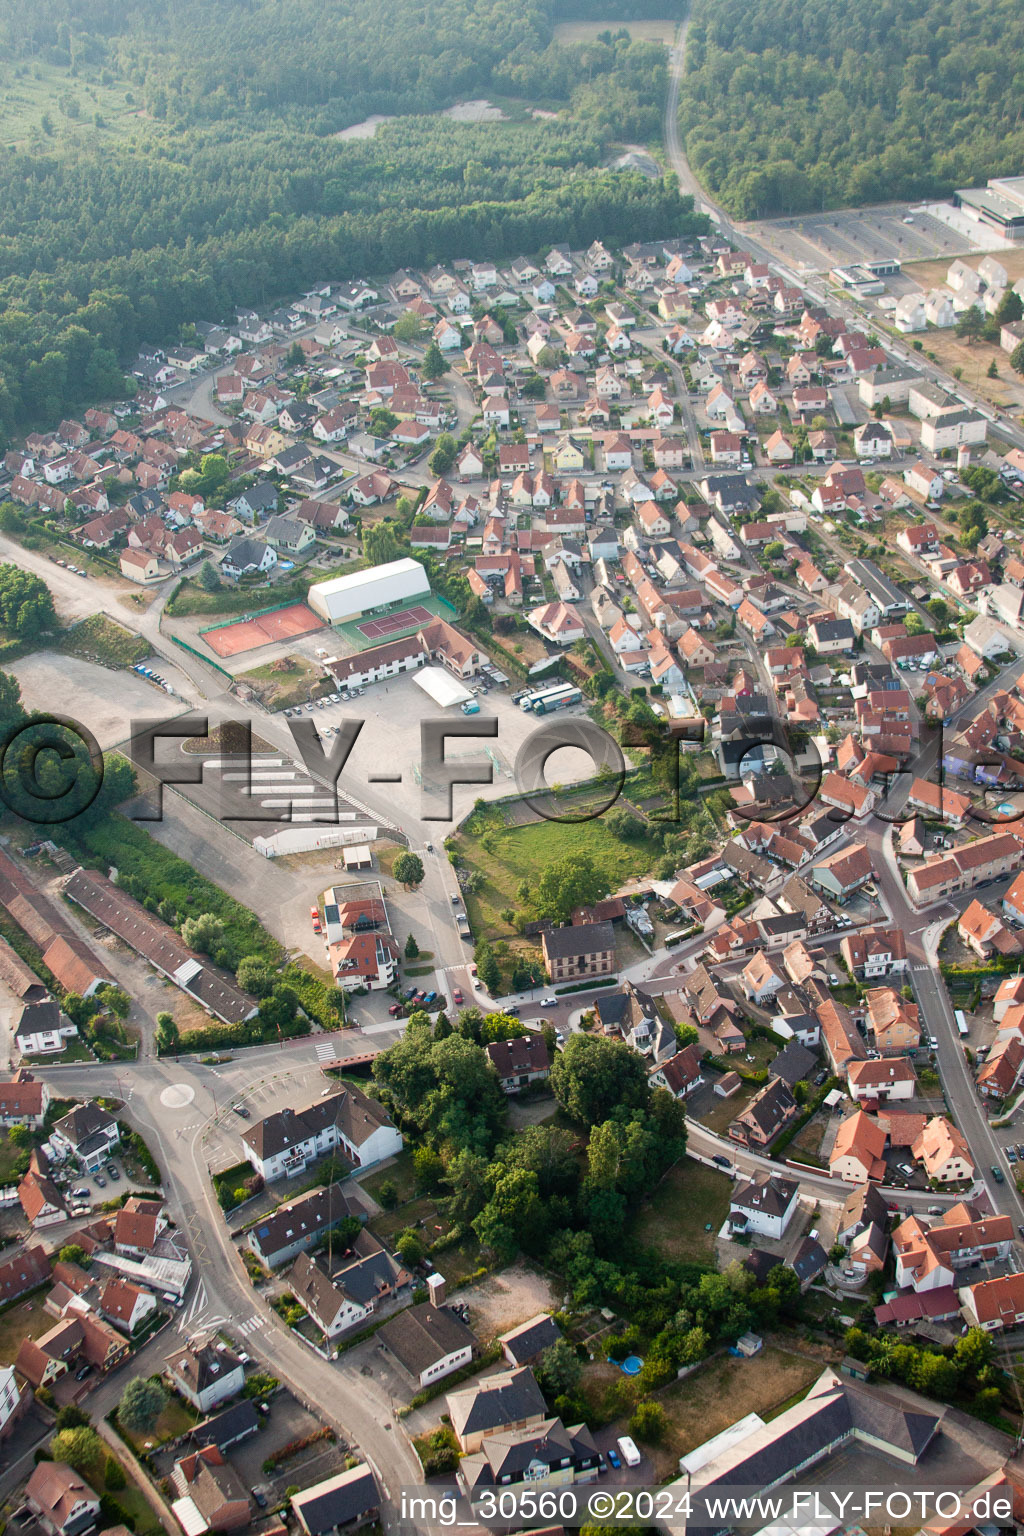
{"x": 264, "y": 629}
{"x": 391, "y": 623}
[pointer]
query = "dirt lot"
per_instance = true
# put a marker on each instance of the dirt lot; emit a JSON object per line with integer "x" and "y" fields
{"x": 1006, "y": 392}
{"x": 931, "y": 274}
{"x": 505, "y": 1300}
{"x": 724, "y": 1390}
{"x": 105, "y": 700}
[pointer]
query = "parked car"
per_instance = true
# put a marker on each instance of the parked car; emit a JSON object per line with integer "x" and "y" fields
{"x": 613, "y": 1459}
{"x": 314, "y": 917}
{"x": 457, "y": 995}
{"x": 395, "y": 1010}
{"x": 261, "y": 1498}
{"x": 241, "y": 1111}
{"x": 723, "y": 1162}
{"x": 113, "y": 1174}
{"x": 80, "y": 1194}
{"x": 100, "y": 1180}
{"x": 549, "y": 1002}
{"x": 997, "y": 1174}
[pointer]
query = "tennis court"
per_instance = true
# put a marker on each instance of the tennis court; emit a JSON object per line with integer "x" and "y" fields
{"x": 362, "y": 633}
{"x": 248, "y": 633}
{"x": 393, "y": 623}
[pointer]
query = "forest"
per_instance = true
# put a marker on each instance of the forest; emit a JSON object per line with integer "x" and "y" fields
{"x": 234, "y": 190}
{"x": 792, "y": 105}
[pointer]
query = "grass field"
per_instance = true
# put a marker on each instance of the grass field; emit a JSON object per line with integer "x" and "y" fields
{"x": 505, "y": 856}
{"x": 724, "y": 1390}
{"x": 9, "y": 1155}
{"x": 30, "y": 93}
{"x": 586, "y": 31}
{"x": 687, "y": 1199}
{"x": 399, "y": 1173}
{"x": 27, "y": 1320}
{"x": 100, "y": 639}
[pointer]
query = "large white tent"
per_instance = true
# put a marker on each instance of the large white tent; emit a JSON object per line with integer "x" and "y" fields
{"x": 440, "y": 686}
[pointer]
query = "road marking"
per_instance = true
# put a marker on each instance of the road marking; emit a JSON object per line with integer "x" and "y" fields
{"x": 251, "y": 1324}
{"x": 326, "y": 1050}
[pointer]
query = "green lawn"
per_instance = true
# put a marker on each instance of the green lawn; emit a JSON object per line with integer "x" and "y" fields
{"x": 687, "y": 1199}
{"x": 27, "y": 1320}
{"x": 399, "y": 1173}
{"x": 176, "y": 1419}
{"x": 9, "y": 1155}
{"x": 505, "y": 856}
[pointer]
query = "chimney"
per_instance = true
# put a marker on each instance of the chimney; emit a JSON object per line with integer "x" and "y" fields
{"x": 438, "y": 1288}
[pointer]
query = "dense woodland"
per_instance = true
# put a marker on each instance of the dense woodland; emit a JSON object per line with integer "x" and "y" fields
{"x": 232, "y": 189}
{"x": 791, "y": 105}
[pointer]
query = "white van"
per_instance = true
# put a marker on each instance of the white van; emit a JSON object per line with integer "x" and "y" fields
{"x": 628, "y": 1451}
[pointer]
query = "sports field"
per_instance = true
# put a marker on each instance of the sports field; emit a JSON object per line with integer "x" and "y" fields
{"x": 360, "y": 634}
{"x": 247, "y": 634}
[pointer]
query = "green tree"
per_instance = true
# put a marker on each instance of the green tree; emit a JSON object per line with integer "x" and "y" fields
{"x": 71, "y": 1417}
{"x": 408, "y": 869}
{"x": 26, "y": 604}
{"x": 382, "y": 421}
{"x": 559, "y": 1370}
{"x": 113, "y": 1475}
{"x": 1017, "y": 358}
{"x": 81, "y": 1448}
{"x": 408, "y": 326}
{"x": 487, "y": 968}
{"x": 387, "y": 1194}
{"x": 380, "y": 544}
{"x": 208, "y": 578}
{"x": 19, "y": 1136}
{"x": 594, "y": 1074}
{"x": 573, "y": 881}
{"x": 914, "y": 623}
{"x": 295, "y": 357}
{"x": 410, "y": 1248}
{"x": 167, "y": 1034}
{"x": 11, "y": 712}
{"x": 992, "y": 371}
{"x": 443, "y": 456}
{"x": 254, "y": 975}
{"x": 434, "y": 365}
{"x": 204, "y": 933}
{"x": 412, "y": 949}
{"x": 73, "y": 1253}
{"x": 970, "y": 325}
{"x": 142, "y": 1403}
{"x": 648, "y": 1423}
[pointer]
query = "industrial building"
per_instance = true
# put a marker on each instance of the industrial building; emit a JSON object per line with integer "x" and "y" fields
{"x": 367, "y": 592}
{"x": 1000, "y": 205}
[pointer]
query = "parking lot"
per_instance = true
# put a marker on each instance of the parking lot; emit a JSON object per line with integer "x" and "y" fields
{"x": 389, "y": 743}
{"x": 105, "y": 700}
{"x": 817, "y": 242}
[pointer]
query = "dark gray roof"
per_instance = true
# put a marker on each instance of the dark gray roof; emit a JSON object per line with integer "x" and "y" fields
{"x": 337, "y": 1501}
{"x": 766, "y": 1194}
{"x": 422, "y": 1335}
{"x": 505, "y": 1457}
{"x": 84, "y": 1121}
{"x": 810, "y": 1259}
{"x": 579, "y": 939}
{"x": 497, "y": 1401}
{"x": 305, "y": 1217}
{"x": 224, "y": 1429}
{"x": 355, "y": 1114}
{"x": 795, "y": 1062}
{"x": 531, "y": 1338}
{"x": 769, "y": 1108}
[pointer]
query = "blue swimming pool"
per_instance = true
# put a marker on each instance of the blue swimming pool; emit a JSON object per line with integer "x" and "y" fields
{"x": 632, "y": 1365}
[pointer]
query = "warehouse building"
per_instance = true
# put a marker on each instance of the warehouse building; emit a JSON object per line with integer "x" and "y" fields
{"x": 368, "y": 592}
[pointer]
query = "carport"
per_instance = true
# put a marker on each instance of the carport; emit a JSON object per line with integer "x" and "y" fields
{"x": 440, "y": 686}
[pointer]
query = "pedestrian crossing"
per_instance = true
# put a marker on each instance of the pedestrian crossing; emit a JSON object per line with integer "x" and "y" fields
{"x": 251, "y": 1324}
{"x": 326, "y": 1050}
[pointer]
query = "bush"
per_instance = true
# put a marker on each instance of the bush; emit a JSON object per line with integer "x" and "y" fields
{"x": 387, "y": 1195}
{"x": 648, "y": 1422}
{"x": 113, "y": 1475}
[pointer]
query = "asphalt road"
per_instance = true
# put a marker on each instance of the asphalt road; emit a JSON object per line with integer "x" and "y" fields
{"x": 354, "y": 1405}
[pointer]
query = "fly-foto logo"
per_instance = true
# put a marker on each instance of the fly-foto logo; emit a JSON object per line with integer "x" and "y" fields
{"x": 51, "y": 770}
